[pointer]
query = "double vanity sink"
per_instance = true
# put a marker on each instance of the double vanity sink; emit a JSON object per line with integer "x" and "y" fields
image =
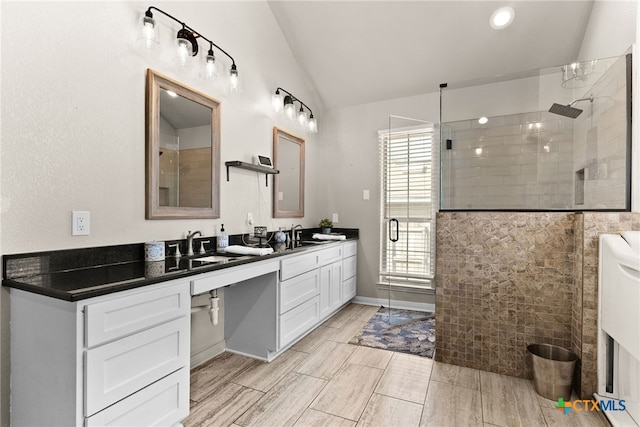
{"x": 109, "y": 344}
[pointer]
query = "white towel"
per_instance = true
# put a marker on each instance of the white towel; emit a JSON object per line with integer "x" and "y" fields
{"x": 247, "y": 250}
{"x": 319, "y": 236}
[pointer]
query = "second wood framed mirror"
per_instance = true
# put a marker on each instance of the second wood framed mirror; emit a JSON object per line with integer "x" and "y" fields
{"x": 288, "y": 185}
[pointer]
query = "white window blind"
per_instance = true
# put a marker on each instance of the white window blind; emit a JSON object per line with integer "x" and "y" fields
{"x": 406, "y": 195}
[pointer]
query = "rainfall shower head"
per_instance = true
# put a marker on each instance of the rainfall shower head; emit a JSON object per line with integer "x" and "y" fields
{"x": 568, "y": 110}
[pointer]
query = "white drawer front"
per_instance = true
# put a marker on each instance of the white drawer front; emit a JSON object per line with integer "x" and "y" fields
{"x": 349, "y": 267}
{"x": 330, "y": 255}
{"x": 348, "y": 289}
{"x": 298, "y": 320}
{"x": 120, "y": 368}
{"x": 350, "y": 249}
{"x": 163, "y": 403}
{"x": 299, "y": 289}
{"x": 299, "y": 264}
{"x": 112, "y": 319}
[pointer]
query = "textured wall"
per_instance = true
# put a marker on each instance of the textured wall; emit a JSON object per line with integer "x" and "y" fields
{"x": 503, "y": 281}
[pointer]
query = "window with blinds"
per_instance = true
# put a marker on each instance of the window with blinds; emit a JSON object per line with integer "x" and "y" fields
{"x": 406, "y": 195}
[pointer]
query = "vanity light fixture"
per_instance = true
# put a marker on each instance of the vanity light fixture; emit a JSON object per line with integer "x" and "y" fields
{"x": 502, "y": 18}
{"x": 187, "y": 41}
{"x": 286, "y": 104}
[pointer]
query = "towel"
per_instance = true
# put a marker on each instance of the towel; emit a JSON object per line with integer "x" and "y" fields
{"x": 247, "y": 250}
{"x": 319, "y": 236}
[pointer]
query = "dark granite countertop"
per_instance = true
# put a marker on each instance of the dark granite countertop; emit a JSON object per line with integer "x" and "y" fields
{"x": 77, "y": 274}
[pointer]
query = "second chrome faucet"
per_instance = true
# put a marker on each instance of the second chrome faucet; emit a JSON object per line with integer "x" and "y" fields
{"x": 190, "y": 237}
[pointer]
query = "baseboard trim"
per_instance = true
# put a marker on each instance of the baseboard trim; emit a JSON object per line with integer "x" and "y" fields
{"x": 405, "y": 305}
{"x": 207, "y": 354}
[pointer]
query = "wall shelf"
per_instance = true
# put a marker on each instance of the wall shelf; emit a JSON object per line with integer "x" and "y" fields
{"x": 249, "y": 166}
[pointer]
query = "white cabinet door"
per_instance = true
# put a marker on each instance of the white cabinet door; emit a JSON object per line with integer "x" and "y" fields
{"x": 117, "y": 369}
{"x": 117, "y": 317}
{"x": 336, "y": 285}
{"x": 326, "y": 275}
{"x": 348, "y": 289}
{"x": 163, "y": 403}
{"x": 299, "y": 320}
{"x": 299, "y": 289}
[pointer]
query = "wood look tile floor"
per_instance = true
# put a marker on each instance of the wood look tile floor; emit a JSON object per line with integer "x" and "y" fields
{"x": 324, "y": 381}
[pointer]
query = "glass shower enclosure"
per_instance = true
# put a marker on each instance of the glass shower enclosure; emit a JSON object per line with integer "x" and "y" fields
{"x": 554, "y": 139}
{"x": 407, "y": 240}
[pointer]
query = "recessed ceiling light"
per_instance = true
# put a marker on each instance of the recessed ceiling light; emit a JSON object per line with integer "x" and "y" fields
{"x": 502, "y": 18}
{"x": 483, "y": 120}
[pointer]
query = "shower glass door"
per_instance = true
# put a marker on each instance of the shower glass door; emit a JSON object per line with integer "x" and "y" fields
{"x": 407, "y": 254}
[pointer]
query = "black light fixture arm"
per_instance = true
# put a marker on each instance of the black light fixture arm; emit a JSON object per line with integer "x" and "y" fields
{"x": 294, "y": 98}
{"x": 196, "y": 34}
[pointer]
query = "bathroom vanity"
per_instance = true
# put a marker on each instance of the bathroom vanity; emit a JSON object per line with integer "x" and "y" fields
{"x": 117, "y": 353}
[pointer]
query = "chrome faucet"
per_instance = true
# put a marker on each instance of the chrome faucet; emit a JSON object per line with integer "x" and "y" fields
{"x": 295, "y": 236}
{"x": 190, "y": 237}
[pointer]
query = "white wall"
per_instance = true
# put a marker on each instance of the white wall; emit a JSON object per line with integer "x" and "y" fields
{"x": 73, "y": 123}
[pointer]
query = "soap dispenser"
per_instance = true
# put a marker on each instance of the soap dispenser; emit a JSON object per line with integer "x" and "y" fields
{"x": 222, "y": 240}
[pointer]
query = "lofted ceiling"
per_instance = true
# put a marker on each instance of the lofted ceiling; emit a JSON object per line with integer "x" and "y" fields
{"x": 357, "y": 52}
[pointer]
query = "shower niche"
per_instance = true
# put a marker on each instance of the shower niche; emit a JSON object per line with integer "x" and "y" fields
{"x": 555, "y": 139}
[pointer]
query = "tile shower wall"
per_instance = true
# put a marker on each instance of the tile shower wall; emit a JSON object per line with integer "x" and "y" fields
{"x": 503, "y": 280}
{"x": 519, "y": 161}
{"x": 600, "y": 141}
{"x": 588, "y": 227}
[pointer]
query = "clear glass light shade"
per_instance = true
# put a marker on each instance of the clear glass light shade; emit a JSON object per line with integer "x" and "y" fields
{"x": 312, "y": 125}
{"x": 277, "y": 101}
{"x": 184, "y": 51}
{"x": 148, "y": 37}
{"x": 290, "y": 111}
{"x": 210, "y": 68}
{"x": 302, "y": 118}
{"x": 234, "y": 81}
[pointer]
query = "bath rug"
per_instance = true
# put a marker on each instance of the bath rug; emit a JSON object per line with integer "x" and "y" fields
{"x": 413, "y": 332}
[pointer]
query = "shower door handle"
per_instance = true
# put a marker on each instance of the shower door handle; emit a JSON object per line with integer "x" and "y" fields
{"x": 397, "y": 235}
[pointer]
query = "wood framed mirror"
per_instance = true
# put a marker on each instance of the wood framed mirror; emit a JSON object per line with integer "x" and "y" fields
{"x": 288, "y": 185}
{"x": 183, "y": 151}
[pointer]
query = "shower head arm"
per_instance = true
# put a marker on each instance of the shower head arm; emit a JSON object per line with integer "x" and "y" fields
{"x": 590, "y": 99}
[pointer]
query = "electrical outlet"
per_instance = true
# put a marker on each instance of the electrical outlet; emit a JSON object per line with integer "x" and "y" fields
{"x": 80, "y": 223}
{"x": 335, "y": 218}
{"x": 250, "y": 218}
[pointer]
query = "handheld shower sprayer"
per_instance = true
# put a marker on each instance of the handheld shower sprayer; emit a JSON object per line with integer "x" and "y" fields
{"x": 569, "y": 110}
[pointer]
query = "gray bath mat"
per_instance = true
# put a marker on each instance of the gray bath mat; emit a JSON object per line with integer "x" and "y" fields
{"x": 413, "y": 332}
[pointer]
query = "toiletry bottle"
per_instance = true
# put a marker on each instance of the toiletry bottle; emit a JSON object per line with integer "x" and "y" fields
{"x": 222, "y": 240}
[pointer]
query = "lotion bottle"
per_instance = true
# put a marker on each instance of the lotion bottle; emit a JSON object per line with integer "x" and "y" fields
{"x": 222, "y": 240}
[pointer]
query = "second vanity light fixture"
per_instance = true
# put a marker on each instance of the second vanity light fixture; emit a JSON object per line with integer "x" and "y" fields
{"x": 187, "y": 45}
{"x": 286, "y": 104}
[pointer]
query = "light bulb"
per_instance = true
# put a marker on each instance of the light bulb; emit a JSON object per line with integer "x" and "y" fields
{"x": 289, "y": 108}
{"x": 234, "y": 80}
{"x": 148, "y": 31}
{"x": 184, "y": 49}
{"x": 277, "y": 102}
{"x": 312, "y": 124}
{"x": 302, "y": 117}
{"x": 210, "y": 69}
{"x": 289, "y": 111}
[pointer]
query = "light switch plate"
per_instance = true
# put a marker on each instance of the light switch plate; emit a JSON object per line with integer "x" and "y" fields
{"x": 335, "y": 218}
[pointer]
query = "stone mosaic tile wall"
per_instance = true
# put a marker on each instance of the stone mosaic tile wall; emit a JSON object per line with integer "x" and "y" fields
{"x": 585, "y": 321}
{"x": 503, "y": 280}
